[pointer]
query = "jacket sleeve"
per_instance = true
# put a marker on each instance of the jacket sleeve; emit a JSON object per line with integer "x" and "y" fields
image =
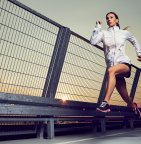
{"x": 97, "y": 35}
{"x": 135, "y": 43}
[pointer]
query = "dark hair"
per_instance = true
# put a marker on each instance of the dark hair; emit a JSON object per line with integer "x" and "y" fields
{"x": 116, "y": 16}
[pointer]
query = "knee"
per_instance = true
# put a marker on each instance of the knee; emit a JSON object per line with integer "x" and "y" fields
{"x": 111, "y": 71}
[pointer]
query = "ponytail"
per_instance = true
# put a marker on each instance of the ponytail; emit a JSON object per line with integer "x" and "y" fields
{"x": 126, "y": 28}
{"x": 118, "y": 25}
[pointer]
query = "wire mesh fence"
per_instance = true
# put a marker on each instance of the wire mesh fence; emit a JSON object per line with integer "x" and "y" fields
{"x": 82, "y": 73}
{"x": 26, "y": 47}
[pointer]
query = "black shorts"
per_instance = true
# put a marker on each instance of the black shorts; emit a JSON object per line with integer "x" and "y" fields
{"x": 127, "y": 74}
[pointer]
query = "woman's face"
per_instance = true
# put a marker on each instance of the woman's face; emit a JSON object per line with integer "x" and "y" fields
{"x": 111, "y": 20}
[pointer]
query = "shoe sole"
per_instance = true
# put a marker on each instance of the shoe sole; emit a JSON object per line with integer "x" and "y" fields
{"x": 105, "y": 111}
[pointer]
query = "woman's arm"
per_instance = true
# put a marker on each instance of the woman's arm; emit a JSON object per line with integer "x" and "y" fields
{"x": 135, "y": 43}
{"x": 97, "y": 35}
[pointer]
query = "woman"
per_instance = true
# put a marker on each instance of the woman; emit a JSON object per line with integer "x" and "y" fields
{"x": 118, "y": 63}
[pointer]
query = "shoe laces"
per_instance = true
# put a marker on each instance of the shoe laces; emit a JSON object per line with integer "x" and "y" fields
{"x": 103, "y": 104}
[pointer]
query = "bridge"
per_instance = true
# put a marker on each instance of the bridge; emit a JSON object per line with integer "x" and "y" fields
{"x": 52, "y": 79}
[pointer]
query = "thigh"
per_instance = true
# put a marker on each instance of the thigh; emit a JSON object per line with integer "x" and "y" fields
{"x": 120, "y": 69}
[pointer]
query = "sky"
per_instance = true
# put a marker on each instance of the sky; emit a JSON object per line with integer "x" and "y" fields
{"x": 80, "y": 16}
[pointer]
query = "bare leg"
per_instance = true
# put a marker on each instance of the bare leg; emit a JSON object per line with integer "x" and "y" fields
{"x": 122, "y": 89}
{"x": 111, "y": 82}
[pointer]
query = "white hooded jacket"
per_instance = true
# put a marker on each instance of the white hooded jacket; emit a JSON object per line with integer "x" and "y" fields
{"x": 114, "y": 41}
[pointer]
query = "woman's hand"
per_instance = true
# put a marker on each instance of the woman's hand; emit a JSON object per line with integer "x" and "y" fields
{"x": 139, "y": 58}
{"x": 99, "y": 22}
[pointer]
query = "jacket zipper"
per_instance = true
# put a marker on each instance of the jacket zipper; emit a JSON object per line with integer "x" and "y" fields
{"x": 115, "y": 47}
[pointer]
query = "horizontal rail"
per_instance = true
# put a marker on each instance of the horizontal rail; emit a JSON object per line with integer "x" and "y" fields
{"x": 18, "y": 99}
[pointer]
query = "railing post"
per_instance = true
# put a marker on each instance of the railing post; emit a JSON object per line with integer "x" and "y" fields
{"x": 50, "y": 129}
{"x": 135, "y": 83}
{"x": 103, "y": 89}
{"x": 40, "y": 130}
{"x": 103, "y": 125}
{"x": 57, "y": 61}
{"x": 131, "y": 123}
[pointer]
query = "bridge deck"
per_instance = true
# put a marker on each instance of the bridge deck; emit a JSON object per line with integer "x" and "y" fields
{"x": 115, "y": 136}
